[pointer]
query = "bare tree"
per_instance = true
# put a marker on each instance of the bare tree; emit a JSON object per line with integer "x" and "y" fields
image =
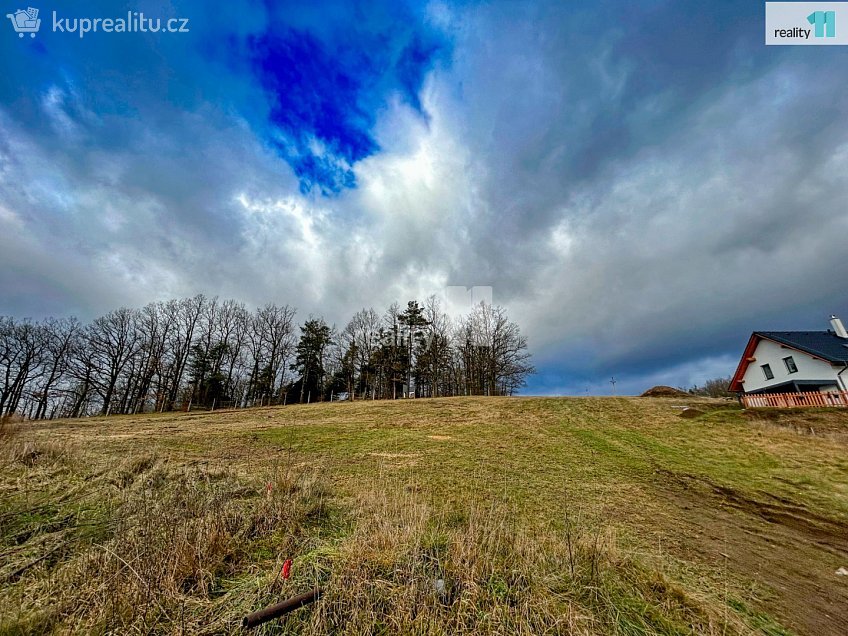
{"x": 715, "y": 387}
{"x": 493, "y": 352}
{"x": 188, "y": 312}
{"x": 361, "y": 337}
{"x": 61, "y": 337}
{"x": 21, "y": 348}
{"x": 434, "y": 355}
{"x": 110, "y": 343}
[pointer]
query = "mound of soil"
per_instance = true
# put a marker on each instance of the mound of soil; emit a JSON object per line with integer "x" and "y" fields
{"x": 664, "y": 391}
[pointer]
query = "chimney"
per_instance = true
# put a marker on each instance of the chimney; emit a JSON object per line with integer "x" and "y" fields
{"x": 838, "y": 327}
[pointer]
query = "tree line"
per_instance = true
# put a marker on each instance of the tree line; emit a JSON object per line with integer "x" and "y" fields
{"x": 206, "y": 353}
{"x": 716, "y": 387}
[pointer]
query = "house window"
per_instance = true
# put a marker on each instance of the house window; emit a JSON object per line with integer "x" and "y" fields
{"x": 767, "y": 372}
{"x": 790, "y": 365}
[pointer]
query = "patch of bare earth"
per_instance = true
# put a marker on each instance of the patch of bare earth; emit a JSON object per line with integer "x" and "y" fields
{"x": 788, "y": 549}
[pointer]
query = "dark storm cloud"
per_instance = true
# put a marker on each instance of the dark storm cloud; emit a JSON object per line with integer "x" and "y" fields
{"x": 694, "y": 171}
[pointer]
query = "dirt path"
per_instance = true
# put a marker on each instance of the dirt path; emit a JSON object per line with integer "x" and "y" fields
{"x": 773, "y": 541}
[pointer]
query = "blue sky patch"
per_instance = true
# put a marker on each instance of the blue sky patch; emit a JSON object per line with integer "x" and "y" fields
{"x": 325, "y": 98}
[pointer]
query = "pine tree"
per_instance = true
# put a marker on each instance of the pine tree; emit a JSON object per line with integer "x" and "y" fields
{"x": 413, "y": 321}
{"x": 309, "y": 355}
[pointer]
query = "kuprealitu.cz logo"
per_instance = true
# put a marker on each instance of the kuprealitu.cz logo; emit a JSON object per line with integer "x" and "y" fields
{"x": 27, "y": 22}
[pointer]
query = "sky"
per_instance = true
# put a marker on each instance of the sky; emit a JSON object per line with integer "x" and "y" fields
{"x": 640, "y": 184}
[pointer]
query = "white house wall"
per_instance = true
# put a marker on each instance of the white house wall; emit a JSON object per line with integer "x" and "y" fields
{"x": 771, "y": 353}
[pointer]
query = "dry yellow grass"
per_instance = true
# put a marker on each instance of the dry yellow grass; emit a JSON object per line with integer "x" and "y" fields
{"x": 446, "y": 516}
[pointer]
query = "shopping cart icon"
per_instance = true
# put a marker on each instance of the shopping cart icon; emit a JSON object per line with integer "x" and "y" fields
{"x": 25, "y": 21}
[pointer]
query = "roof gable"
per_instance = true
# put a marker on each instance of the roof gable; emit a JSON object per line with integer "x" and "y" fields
{"x": 750, "y": 348}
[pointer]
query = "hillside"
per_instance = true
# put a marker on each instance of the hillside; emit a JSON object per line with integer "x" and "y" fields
{"x": 442, "y": 516}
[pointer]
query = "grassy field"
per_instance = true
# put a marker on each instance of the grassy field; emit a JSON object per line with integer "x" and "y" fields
{"x": 443, "y": 516}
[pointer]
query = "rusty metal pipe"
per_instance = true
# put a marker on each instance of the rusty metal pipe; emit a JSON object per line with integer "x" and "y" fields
{"x": 280, "y": 609}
